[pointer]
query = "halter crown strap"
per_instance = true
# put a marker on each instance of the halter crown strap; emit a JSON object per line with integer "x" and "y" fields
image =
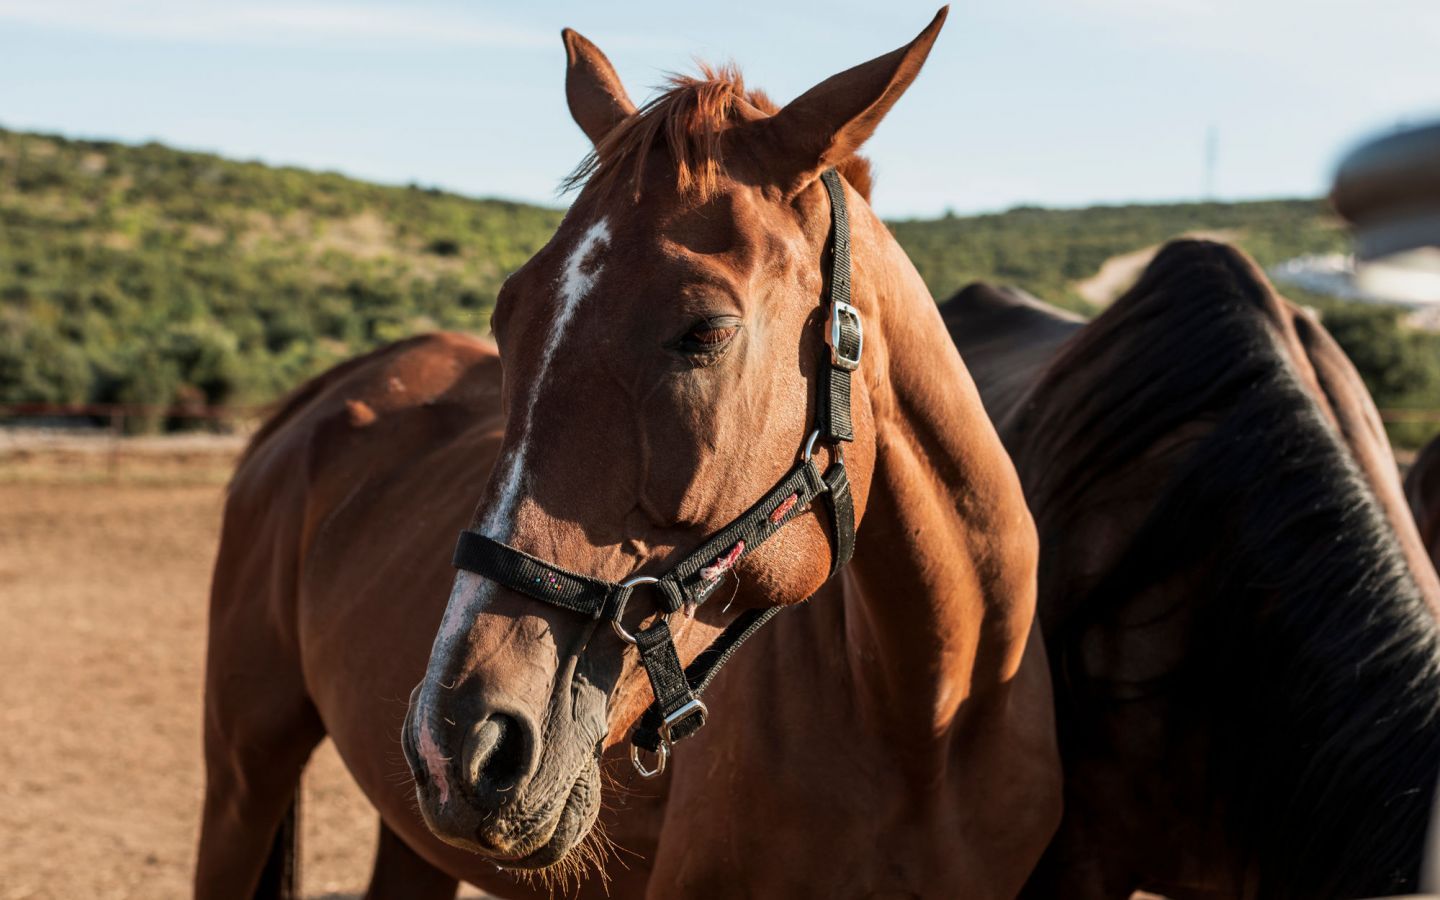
{"x": 845, "y": 334}
{"x": 678, "y": 711}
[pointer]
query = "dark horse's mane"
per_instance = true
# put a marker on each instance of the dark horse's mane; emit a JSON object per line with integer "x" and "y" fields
{"x": 1312, "y": 662}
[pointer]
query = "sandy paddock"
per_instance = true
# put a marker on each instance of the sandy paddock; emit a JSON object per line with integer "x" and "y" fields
{"x": 104, "y": 570}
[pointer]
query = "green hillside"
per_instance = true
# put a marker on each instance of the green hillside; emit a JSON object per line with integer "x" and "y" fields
{"x": 142, "y": 274}
{"x": 1046, "y": 250}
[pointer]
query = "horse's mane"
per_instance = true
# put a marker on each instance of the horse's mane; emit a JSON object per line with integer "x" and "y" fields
{"x": 1313, "y": 660}
{"x": 688, "y": 121}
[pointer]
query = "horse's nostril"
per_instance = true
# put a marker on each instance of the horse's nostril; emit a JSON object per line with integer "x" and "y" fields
{"x": 481, "y": 745}
{"x": 496, "y": 757}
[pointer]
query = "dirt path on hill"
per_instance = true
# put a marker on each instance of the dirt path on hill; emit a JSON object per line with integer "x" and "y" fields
{"x": 1119, "y": 272}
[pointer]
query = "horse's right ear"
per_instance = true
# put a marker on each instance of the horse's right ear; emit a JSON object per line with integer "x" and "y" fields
{"x": 829, "y": 122}
{"x": 597, "y": 99}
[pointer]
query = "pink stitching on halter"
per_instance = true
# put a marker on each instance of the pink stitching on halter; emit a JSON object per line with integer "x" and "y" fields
{"x": 784, "y": 508}
{"x": 722, "y": 564}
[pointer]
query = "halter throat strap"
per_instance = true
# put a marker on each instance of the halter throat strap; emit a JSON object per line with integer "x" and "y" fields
{"x": 678, "y": 711}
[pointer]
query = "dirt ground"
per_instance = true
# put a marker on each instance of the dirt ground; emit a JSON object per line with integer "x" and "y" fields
{"x": 105, "y": 556}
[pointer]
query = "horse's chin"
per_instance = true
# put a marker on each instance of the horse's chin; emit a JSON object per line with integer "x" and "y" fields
{"x": 576, "y": 818}
{"x": 529, "y": 840}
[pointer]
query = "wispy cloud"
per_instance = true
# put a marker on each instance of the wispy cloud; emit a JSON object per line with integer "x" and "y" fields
{"x": 289, "y": 24}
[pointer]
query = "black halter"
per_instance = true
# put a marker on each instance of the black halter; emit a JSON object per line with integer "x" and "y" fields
{"x": 678, "y": 711}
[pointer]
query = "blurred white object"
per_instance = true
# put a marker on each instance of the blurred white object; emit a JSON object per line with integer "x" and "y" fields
{"x": 1389, "y": 190}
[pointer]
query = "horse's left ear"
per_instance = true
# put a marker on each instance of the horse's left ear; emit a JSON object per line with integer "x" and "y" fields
{"x": 830, "y": 121}
{"x": 598, "y": 101}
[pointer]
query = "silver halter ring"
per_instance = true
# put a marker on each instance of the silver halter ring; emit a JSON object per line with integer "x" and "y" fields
{"x": 837, "y": 449}
{"x": 626, "y": 636}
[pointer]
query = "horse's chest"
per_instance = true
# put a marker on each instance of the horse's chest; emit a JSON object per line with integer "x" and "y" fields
{"x": 805, "y": 830}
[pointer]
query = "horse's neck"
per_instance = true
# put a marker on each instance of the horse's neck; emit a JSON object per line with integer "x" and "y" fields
{"x": 942, "y": 589}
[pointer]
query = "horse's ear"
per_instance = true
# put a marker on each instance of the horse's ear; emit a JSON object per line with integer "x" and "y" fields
{"x": 597, "y": 98}
{"x": 830, "y": 121}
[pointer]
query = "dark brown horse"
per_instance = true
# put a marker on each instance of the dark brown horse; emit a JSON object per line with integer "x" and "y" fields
{"x": 1239, "y": 614}
{"x": 1422, "y": 489}
{"x": 891, "y": 735}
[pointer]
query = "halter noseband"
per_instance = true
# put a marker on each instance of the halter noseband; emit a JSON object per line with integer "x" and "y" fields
{"x": 678, "y": 711}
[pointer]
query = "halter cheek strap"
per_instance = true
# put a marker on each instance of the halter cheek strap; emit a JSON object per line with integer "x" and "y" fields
{"x": 678, "y": 711}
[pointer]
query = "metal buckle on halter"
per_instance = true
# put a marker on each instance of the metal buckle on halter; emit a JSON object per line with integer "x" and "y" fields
{"x": 837, "y": 354}
{"x": 626, "y": 636}
{"x": 662, "y": 756}
{"x": 694, "y": 708}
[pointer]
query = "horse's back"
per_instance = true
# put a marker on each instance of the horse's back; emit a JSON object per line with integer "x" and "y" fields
{"x": 1006, "y": 337}
{"x": 363, "y": 412}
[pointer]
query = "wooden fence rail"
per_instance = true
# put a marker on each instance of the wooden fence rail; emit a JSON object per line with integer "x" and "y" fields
{"x": 1411, "y": 415}
{"x": 110, "y": 411}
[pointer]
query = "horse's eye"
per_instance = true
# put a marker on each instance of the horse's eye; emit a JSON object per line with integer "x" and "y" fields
{"x": 709, "y": 336}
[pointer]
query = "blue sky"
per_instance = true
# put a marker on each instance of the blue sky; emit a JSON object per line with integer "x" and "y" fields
{"x": 1055, "y": 102}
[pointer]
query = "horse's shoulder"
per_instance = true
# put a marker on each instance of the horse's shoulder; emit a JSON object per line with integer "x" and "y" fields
{"x": 1006, "y": 338}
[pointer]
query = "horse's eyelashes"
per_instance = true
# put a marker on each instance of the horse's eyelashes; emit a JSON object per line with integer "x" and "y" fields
{"x": 711, "y": 337}
{"x": 708, "y": 336}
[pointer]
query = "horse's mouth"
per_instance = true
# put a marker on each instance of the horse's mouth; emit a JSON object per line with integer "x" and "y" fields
{"x": 517, "y": 838}
{"x": 548, "y": 844}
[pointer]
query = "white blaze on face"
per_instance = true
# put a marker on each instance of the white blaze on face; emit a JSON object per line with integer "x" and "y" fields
{"x": 470, "y": 592}
{"x": 575, "y": 282}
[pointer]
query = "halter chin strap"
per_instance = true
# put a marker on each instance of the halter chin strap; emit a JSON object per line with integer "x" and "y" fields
{"x": 678, "y": 711}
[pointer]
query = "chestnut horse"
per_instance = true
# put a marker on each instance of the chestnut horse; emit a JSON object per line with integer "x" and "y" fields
{"x": 1239, "y": 614}
{"x": 1422, "y": 489}
{"x": 890, "y": 734}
